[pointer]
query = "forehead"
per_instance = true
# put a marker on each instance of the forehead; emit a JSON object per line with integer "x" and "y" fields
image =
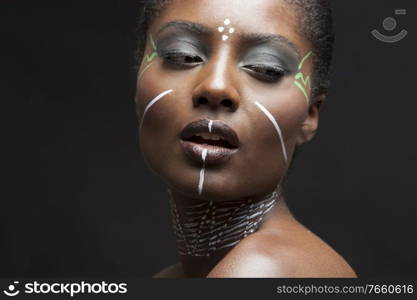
{"x": 261, "y": 16}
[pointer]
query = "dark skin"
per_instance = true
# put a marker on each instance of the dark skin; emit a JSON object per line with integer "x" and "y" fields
{"x": 231, "y": 74}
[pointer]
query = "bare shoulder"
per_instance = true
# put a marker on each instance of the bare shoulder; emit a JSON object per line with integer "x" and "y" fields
{"x": 294, "y": 252}
{"x": 173, "y": 271}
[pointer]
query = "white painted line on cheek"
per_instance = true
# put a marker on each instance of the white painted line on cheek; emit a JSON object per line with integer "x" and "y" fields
{"x": 274, "y": 122}
{"x": 210, "y": 126}
{"x": 202, "y": 171}
{"x": 150, "y": 104}
{"x": 144, "y": 70}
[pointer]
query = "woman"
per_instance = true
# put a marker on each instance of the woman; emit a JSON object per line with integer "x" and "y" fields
{"x": 225, "y": 94}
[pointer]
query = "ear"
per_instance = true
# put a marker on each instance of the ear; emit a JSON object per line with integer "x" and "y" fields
{"x": 309, "y": 126}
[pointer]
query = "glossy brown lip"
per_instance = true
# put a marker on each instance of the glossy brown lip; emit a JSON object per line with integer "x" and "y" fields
{"x": 215, "y": 154}
{"x": 218, "y": 127}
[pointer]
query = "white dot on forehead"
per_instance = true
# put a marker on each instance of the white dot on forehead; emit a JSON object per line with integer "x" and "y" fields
{"x": 226, "y": 22}
{"x": 224, "y": 37}
{"x": 221, "y": 29}
{"x": 231, "y": 30}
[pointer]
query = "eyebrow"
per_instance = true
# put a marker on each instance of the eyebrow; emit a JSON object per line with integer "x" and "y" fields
{"x": 190, "y": 26}
{"x": 255, "y": 37}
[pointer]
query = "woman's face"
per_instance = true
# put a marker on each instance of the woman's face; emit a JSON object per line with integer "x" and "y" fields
{"x": 219, "y": 106}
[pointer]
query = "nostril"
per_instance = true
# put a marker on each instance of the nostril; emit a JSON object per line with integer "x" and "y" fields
{"x": 227, "y": 103}
{"x": 202, "y": 100}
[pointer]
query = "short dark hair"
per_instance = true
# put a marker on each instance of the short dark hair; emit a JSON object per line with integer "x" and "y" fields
{"x": 316, "y": 23}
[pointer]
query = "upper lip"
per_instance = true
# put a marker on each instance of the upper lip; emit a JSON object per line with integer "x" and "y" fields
{"x": 218, "y": 127}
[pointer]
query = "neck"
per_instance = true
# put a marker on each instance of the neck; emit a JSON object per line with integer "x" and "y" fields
{"x": 207, "y": 230}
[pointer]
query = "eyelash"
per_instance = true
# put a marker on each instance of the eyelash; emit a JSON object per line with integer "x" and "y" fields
{"x": 266, "y": 73}
{"x": 262, "y": 72}
{"x": 181, "y": 59}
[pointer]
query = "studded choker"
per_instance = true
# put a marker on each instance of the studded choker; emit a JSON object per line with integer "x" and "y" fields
{"x": 204, "y": 228}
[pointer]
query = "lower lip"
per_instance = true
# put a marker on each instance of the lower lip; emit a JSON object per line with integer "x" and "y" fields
{"x": 215, "y": 155}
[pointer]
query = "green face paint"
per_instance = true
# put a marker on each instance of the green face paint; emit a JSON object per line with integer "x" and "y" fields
{"x": 301, "y": 81}
{"x": 154, "y": 54}
{"x": 149, "y": 57}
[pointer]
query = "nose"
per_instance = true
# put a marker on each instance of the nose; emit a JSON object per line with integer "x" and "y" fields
{"x": 217, "y": 88}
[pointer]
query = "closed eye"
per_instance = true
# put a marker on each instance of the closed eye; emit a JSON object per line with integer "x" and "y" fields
{"x": 265, "y": 72}
{"x": 181, "y": 59}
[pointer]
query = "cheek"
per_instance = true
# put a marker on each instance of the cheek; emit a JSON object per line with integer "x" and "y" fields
{"x": 261, "y": 164}
{"x": 148, "y": 87}
{"x": 279, "y": 114}
{"x": 292, "y": 110}
{"x": 160, "y": 124}
{"x": 156, "y": 110}
{"x": 154, "y": 80}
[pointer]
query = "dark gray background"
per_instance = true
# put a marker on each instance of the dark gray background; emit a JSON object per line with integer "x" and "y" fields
{"x": 77, "y": 199}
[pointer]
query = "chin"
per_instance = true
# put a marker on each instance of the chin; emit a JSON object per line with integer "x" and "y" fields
{"x": 218, "y": 187}
{"x": 225, "y": 182}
